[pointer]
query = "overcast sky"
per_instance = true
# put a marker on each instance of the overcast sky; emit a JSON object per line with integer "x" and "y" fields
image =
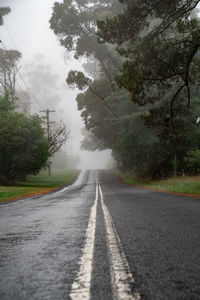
{"x": 27, "y": 30}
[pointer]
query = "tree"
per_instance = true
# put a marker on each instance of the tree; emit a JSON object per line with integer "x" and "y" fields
{"x": 9, "y": 60}
{"x": 58, "y": 134}
{"x": 160, "y": 44}
{"x": 3, "y": 12}
{"x": 39, "y": 71}
{"x": 145, "y": 135}
{"x": 106, "y": 110}
{"x": 74, "y": 22}
{"x": 143, "y": 153}
{"x": 24, "y": 148}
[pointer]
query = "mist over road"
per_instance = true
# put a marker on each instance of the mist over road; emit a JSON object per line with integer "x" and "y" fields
{"x": 100, "y": 239}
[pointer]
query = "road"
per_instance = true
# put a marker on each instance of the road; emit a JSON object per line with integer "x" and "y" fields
{"x": 100, "y": 239}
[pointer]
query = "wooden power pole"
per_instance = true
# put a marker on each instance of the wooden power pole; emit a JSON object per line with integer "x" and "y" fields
{"x": 47, "y": 112}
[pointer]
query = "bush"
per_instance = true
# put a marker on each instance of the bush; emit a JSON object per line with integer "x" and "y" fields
{"x": 23, "y": 145}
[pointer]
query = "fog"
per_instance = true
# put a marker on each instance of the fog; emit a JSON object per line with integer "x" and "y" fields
{"x": 44, "y": 69}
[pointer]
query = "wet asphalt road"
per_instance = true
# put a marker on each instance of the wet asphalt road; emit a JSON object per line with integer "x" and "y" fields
{"x": 157, "y": 235}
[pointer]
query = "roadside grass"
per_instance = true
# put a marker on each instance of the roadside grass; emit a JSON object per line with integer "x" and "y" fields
{"x": 39, "y": 184}
{"x": 189, "y": 185}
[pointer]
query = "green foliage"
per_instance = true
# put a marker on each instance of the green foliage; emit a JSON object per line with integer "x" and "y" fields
{"x": 75, "y": 23}
{"x": 78, "y": 79}
{"x": 143, "y": 153}
{"x": 193, "y": 161}
{"x": 24, "y": 148}
{"x": 6, "y": 105}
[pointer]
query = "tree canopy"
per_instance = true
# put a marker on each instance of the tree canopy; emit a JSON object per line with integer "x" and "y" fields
{"x": 160, "y": 43}
{"x": 147, "y": 52}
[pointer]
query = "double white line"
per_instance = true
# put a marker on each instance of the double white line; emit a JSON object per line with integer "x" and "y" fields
{"x": 121, "y": 278}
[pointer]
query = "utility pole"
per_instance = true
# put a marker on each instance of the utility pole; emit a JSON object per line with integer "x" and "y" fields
{"x": 47, "y": 112}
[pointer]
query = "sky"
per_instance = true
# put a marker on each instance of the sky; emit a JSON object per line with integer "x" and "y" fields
{"x": 26, "y": 29}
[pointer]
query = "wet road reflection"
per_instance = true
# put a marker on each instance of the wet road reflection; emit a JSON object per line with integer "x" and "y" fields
{"x": 41, "y": 241}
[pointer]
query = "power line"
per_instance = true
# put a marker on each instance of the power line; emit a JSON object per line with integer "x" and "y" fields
{"x": 25, "y": 94}
{"x": 11, "y": 38}
{"x": 14, "y": 44}
{"x": 28, "y": 88}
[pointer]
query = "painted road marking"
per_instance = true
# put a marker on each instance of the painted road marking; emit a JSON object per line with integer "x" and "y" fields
{"x": 81, "y": 286}
{"x": 121, "y": 277}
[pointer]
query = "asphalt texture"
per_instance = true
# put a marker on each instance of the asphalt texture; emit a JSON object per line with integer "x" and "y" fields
{"x": 42, "y": 240}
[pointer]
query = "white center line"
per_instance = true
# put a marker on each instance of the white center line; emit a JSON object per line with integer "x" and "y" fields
{"x": 81, "y": 286}
{"x": 121, "y": 277}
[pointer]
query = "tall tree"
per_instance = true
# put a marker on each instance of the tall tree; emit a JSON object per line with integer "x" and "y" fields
{"x": 9, "y": 66}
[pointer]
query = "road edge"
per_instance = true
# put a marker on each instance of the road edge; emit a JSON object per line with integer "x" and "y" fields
{"x": 40, "y": 194}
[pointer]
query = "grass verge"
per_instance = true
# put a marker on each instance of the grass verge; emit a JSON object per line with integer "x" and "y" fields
{"x": 40, "y": 184}
{"x": 187, "y": 185}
